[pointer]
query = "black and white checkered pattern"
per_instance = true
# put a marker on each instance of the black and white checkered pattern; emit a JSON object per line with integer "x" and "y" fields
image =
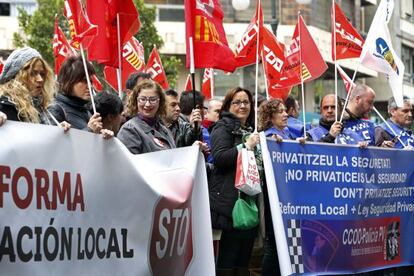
{"x": 294, "y": 240}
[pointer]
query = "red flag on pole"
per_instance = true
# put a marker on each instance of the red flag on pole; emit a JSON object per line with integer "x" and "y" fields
{"x": 96, "y": 83}
{"x": 207, "y": 87}
{"x": 61, "y": 47}
{"x": 156, "y": 70}
{"x": 273, "y": 59}
{"x": 245, "y": 53}
{"x": 312, "y": 65}
{"x": 132, "y": 60}
{"x": 104, "y": 46}
{"x": 188, "y": 84}
{"x": 81, "y": 29}
{"x": 204, "y": 23}
{"x": 349, "y": 85}
{"x": 348, "y": 41}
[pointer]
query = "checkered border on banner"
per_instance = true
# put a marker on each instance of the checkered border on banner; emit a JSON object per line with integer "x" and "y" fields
{"x": 294, "y": 240}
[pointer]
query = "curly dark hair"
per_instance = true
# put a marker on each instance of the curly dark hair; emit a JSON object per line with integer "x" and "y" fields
{"x": 266, "y": 112}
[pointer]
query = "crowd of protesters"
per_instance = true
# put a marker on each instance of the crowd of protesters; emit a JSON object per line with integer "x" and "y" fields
{"x": 149, "y": 119}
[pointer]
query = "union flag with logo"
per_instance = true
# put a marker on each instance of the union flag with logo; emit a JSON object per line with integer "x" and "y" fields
{"x": 156, "y": 70}
{"x": 133, "y": 60}
{"x": 204, "y": 23}
{"x": 81, "y": 29}
{"x": 245, "y": 52}
{"x": 302, "y": 56}
{"x": 346, "y": 40}
{"x": 207, "y": 87}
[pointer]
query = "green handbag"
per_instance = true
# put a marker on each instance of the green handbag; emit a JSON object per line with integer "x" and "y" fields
{"x": 245, "y": 213}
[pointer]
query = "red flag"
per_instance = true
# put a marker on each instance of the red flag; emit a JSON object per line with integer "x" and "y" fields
{"x": 1, "y": 66}
{"x": 207, "y": 87}
{"x": 188, "y": 83}
{"x": 81, "y": 29}
{"x": 104, "y": 47}
{"x": 204, "y": 23}
{"x": 348, "y": 41}
{"x": 97, "y": 83}
{"x": 273, "y": 60}
{"x": 303, "y": 49}
{"x": 156, "y": 70}
{"x": 349, "y": 85}
{"x": 132, "y": 60}
{"x": 245, "y": 53}
{"x": 61, "y": 47}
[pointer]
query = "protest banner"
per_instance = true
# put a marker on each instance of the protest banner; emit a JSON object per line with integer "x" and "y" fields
{"x": 343, "y": 209}
{"x": 76, "y": 204}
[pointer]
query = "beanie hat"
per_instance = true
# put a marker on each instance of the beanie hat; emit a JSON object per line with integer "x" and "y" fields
{"x": 16, "y": 61}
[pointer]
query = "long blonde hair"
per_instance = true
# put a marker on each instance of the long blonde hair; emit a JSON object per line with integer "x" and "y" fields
{"x": 17, "y": 92}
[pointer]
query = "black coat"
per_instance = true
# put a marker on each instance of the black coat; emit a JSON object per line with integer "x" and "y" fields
{"x": 8, "y": 108}
{"x": 72, "y": 110}
{"x": 225, "y": 137}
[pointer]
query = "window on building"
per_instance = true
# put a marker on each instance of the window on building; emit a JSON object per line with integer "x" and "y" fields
{"x": 407, "y": 56}
{"x": 170, "y": 14}
{"x": 4, "y": 9}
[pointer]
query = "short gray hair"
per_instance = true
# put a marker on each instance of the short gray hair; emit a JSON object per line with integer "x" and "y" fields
{"x": 393, "y": 105}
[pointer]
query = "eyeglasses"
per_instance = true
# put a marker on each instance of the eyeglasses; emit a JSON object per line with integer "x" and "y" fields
{"x": 239, "y": 103}
{"x": 151, "y": 100}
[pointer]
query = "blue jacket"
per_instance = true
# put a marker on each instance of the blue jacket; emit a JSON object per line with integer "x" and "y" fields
{"x": 405, "y": 135}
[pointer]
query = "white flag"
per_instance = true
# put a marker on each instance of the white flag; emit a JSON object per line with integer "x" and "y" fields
{"x": 378, "y": 53}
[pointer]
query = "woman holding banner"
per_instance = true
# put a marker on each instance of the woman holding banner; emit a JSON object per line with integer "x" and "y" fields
{"x": 144, "y": 132}
{"x": 233, "y": 131}
{"x": 273, "y": 120}
{"x": 26, "y": 88}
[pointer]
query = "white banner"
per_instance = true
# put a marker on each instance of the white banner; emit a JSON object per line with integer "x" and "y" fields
{"x": 76, "y": 204}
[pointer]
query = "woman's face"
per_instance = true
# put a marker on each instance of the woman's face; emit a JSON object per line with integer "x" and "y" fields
{"x": 148, "y": 102}
{"x": 240, "y": 106}
{"x": 80, "y": 90}
{"x": 280, "y": 117}
{"x": 37, "y": 76}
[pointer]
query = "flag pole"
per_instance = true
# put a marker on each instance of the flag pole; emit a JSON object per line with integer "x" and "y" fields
{"x": 349, "y": 93}
{"x": 265, "y": 77}
{"x": 301, "y": 79}
{"x": 88, "y": 79}
{"x": 119, "y": 69}
{"x": 333, "y": 22}
{"x": 192, "y": 72}
{"x": 388, "y": 125}
{"x": 212, "y": 82}
{"x": 256, "y": 86}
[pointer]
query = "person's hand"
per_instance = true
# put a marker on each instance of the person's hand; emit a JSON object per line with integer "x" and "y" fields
{"x": 277, "y": 138}
{"x": 195, "y": 117}
{"x": 95, "y": 123}
{"x": 3, "y": 118}
{"x": 107, "y": 134}
{"x": 336, "y": 128}
{"x": 363, "y": 144}
{"x": 65, "y": 125}
{"x": 203, "y": 146}
{"x": 387, "y": 144}
{"x": 301, "y": 140}
{"x": 252, "y": 141}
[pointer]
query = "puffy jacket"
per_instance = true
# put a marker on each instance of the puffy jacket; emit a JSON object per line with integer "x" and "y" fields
{"x": 72, "y": 110}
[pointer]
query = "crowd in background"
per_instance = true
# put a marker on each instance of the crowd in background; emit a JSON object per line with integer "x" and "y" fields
{"x": 150, "y": 119}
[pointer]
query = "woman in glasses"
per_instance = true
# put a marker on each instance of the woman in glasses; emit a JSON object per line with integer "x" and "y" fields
{"x": 144, "y": 132}
{"x": 231, "y": 133}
